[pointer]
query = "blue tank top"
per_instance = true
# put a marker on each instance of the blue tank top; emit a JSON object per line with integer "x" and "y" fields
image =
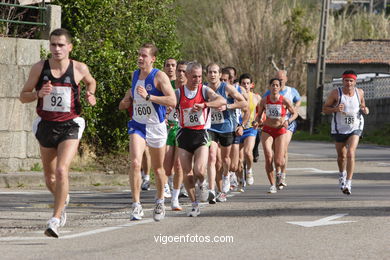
{"x": 147, "y": 112}
{"x": 223, "y": 121}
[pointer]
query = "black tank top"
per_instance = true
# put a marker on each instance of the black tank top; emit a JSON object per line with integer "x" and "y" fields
{"x": 63, "y": 103}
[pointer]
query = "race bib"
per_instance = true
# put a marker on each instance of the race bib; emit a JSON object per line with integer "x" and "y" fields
{"x": 348, "y": 120}
{"x": 143, "y": 109}
{"x": 274, "y": 111}
{"x": 217, "y": 117}
{"x": 173, "y": 115}
{"x": 192, "y": 118}
{"x": 59, "y": 100}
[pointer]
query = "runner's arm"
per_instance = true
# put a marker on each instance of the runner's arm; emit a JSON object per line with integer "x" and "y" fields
{"x": 239, "y": 100}
{"x": 164, "y": 85}
{"x": 27, "y": 94}
{"x": 89, "y": 82}
{"x": 126, "y": 101}
{"x": 329, "y": 106}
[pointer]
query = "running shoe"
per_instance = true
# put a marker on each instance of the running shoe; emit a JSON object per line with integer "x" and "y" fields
{"x": 159, "y": 212}
{"x": 283, "y": 181}
{"x": 233, "y": 181}
{"x": 183, "y": 192}
{"x": 250, "y": 179}
{"x": 63, "y": 212}
{"x": 195, "y": 211}
{"x": 167, "y": 191}
{"x": 225, "y": 183}
{"x": 342, "y": 180}
{"x": 272, "y": 189}
{"x": 175, "y": 205}
{"x": 137, "y": 212}
{"x": 347, "y": 189}
{"x": 52, "y": 228}
{"x": 278, "y": 179}
{"x": 203, "y": 192}
{"x": 212, "y": 197}
{"x": 145, "y": 184}
{"x": 221, "y": 197}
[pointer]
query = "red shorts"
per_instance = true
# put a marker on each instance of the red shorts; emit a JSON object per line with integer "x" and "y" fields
{"x": 274, "y": 132}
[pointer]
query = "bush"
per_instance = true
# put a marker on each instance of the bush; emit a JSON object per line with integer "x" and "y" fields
{"x": 107, "y": 36}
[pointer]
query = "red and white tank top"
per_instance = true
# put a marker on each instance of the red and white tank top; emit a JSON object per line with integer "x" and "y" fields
{"x": 188, "y": 118}
{"x": 275, "y": 110}
{"x": 63, "y": 103}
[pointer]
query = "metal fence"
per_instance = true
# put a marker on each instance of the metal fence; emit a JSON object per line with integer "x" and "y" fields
{"x": 42, "y": 10}
{"x": 374, "y": 88}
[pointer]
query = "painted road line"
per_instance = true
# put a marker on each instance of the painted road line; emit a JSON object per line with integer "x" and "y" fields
{"x": 322, "y": 222}
{"x": 315, "y": 170}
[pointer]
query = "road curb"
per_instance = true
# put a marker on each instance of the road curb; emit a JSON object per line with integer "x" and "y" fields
{"x": 77, "y": 179}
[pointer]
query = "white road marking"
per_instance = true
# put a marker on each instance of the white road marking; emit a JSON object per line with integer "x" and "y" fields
{"x": 322, "y": 222}
{"x": 311, "y": 170}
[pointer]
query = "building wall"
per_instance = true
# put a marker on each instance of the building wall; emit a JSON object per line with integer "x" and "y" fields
{"x": 19, "y": 149}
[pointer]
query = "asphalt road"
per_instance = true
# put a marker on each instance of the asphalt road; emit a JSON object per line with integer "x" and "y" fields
{"x": 310, "y": 218}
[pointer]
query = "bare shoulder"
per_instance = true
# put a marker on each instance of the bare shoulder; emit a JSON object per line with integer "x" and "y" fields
{"x": 80, "y": 67}
{"x": 37, "y": 67}
{"x": 162, "y": 76}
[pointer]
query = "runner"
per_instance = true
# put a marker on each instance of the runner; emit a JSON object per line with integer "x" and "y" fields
{"x": 59, "y": 126}
{"x": 171, "y": 157}
{"x": 247, "y": 140}
{"x": 229, "y": 75}
{"x": 150, "y": 92}
{"x": 193, "y": 140}
{"x": 223, "y": 126}
{"x": 293, "y": 95}
{"x": 274, "y": 129}
{"x": 346, "y": 105}
{"x": 170, "y": 66}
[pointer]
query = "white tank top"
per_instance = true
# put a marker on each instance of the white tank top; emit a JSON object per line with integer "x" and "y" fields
{"x": 144, "y": 111}
{"x": 350, "y": 119}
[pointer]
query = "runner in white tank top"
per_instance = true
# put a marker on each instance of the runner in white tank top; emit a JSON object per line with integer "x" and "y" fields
{"x": 347, "y": 106}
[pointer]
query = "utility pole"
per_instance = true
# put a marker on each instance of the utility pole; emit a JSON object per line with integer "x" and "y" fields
{"x": 320, "y": 75}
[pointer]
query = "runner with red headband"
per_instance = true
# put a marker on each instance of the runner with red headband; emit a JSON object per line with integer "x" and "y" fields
{"x": 346, "y": 105}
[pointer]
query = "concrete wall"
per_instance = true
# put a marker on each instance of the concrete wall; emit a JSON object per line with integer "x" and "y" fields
{"x": 19, "y": 149}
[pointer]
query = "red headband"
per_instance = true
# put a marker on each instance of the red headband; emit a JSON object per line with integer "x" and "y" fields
{"x": 352, "y": 76}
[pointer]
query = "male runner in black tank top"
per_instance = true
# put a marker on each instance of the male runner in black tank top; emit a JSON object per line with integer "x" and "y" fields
{"x": 58, "y": 127}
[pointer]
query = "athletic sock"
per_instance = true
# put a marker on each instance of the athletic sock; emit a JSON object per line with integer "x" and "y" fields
{"x": 175, "y": 194}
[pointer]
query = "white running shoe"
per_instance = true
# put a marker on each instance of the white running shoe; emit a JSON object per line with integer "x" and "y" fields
{"x": 278, "y": 179}
{"x": 203, "y": 192}
{"x": 342, "y": 180}
{"x": 167, "y": 191}
{"x": 63, "y": 212}
{"x": 159, "y": 212}
{"x": 175, "y": 205}
{"x": 145, "y": 184}
{"x": 233, "y": 181}
{"x": 272, "y": 189}
{"x": 250, "y": 179}
{"x": 221, "y": 197}
{"x": 195, "y": 211}
{"x": 283, "y": 182}
{"x": 347, "y": 189}
{"x": 225, "y": 183}
{"x": 52, "y": 228}
{"x": 137, "y": 212}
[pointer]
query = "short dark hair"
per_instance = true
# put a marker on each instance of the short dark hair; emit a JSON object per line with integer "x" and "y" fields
{"x": 62, "y": 32}
{"x": 165, "y": 62}
{"x": 350, "y": 72}
{"x": 245, "y": 76}
{"x": 152, "y": 47}
{"x": 273, "y": 79}
{"x": 182, "y": 62}
{"x": 232, "y": 68}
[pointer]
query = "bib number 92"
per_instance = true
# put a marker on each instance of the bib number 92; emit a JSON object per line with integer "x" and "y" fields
{"x": 56, "y": 101}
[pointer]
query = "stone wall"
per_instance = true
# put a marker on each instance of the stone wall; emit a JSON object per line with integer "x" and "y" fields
{"x": 19, "y": 149}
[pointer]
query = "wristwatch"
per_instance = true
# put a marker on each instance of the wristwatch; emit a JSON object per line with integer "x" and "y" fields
{"x": 147, "y": 97}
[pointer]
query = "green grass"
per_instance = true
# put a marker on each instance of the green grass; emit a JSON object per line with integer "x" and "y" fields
{"x": 36, "y": 167}
{"x": 379, "y": 136}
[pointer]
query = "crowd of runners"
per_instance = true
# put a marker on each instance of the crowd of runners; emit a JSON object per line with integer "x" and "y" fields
{"x": 200, "y": 139}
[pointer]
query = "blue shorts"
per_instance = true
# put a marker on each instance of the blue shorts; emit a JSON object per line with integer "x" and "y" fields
{"x": 292, "y": 127}
{"x": 248, "y": 132}
{"x": 155, "y": 135}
